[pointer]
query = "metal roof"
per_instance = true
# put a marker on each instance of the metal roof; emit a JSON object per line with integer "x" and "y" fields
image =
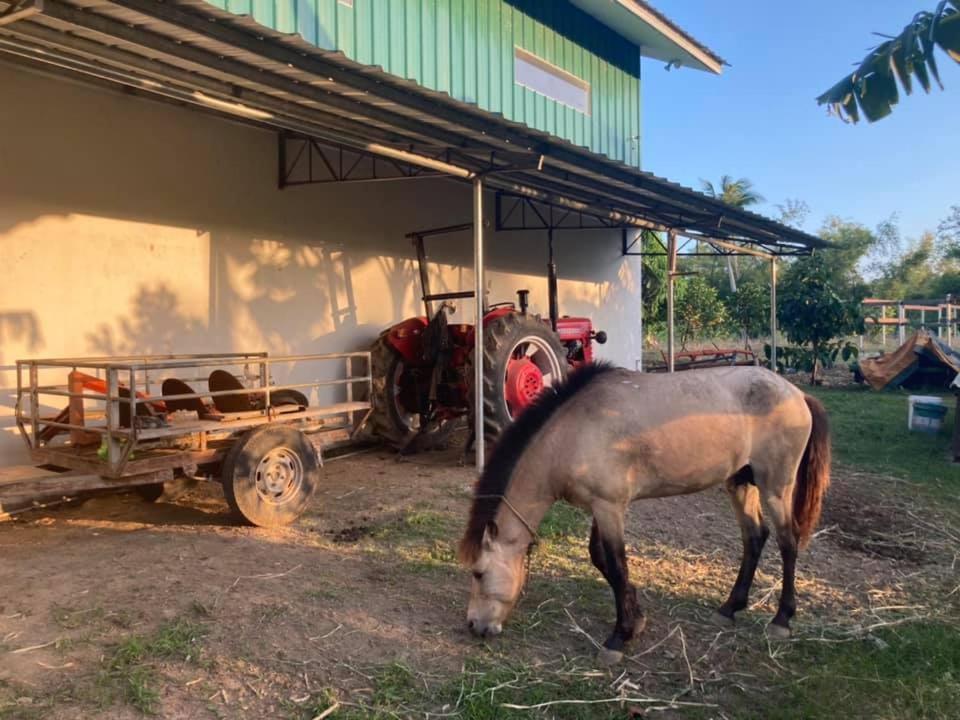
{"x": 656, "y": 34}
{"x": 191, "y": 53}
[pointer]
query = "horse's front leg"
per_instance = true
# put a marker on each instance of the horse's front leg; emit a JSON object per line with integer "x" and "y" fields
{"x": 608, "y": 553}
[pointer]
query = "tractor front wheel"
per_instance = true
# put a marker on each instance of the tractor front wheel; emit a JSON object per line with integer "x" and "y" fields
{"x": 522, "y": 357}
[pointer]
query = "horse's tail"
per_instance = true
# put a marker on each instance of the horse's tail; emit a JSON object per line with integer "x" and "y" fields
{"x": 813, "y": 476}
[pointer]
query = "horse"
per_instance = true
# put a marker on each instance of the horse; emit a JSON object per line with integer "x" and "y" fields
{"x": 609, "y": 436}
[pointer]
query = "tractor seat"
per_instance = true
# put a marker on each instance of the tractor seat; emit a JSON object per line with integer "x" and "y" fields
{"x": 283, "y": 401}
{"x": 174, "y": 386}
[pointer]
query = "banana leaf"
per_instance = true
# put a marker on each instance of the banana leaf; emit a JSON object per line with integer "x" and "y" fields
{"x": 872, "y": 90}
{"x": 947, "y": 35}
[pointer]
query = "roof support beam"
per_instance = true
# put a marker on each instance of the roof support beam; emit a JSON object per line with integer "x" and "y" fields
{"x": 20, "y": 10}
{"x": 566, "y": 157}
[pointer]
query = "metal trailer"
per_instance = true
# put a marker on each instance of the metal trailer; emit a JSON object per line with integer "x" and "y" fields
{"x": 139, "y": 421}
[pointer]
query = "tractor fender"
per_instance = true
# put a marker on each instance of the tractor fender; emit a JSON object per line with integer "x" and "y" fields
{"x": 406, "y": 338}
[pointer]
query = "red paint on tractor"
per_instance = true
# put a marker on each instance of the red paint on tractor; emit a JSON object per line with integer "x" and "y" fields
{"x": 524, "y": 382}
{"x": 405, "y": 338}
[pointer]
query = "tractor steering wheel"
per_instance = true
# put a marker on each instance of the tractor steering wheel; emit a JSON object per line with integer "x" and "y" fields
{"x": 501, "y": 304}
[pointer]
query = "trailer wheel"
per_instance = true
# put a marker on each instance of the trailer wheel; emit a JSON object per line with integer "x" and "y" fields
{"x": 521, "y": 357}
{"x": 270, "y": 474}
{"x": 149, "y": 493}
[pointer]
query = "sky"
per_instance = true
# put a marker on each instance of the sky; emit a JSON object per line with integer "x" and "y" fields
{"x": 760, "y": 119}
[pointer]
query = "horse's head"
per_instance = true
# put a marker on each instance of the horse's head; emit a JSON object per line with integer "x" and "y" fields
{"x": 499, "y": 572}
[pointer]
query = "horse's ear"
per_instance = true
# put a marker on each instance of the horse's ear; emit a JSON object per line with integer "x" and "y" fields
{"x": 490, "y": 534}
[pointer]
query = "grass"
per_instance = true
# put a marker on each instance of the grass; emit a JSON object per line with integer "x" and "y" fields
{"x": 481, "y": 692}
{"x": 130, "y": 674}
{"x": 870, "y": 433}
{"x": 912, "y": 671}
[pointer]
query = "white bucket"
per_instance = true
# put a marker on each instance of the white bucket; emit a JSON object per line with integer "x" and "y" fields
{"x": 924, "y": 420}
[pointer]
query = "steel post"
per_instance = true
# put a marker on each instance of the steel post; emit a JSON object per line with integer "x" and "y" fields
{"x": 478, "y": 321}
{"x": 773, "y": 314}
{"x": 671, "y": 278}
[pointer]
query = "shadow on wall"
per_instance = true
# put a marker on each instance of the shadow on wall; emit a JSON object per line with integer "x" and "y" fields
{"x": 20, "y": 327}
{"x": 154, "y": 324}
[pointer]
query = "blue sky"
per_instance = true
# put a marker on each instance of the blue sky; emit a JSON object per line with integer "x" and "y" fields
{"x": 760, "y": 120}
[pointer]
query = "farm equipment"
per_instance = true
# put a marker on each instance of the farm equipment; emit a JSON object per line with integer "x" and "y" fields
{"x": 422, "y": 367}
{"x": 262, "y": 441}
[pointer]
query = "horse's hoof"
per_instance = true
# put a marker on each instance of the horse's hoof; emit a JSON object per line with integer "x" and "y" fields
{"x": 778, "y": 632}
{"x": 721, "y": 620}
{"x": 608, "y": 657}
{"x": 639, "y": 626}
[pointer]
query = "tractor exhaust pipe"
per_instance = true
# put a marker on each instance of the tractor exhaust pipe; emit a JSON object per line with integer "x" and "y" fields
{"x": 552, "y": 282}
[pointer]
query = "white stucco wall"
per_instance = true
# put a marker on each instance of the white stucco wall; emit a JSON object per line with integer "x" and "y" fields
{"x": 131, "y": 226}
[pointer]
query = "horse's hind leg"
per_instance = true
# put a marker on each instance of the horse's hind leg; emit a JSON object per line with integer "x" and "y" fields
{"x": 745, "y": 498}
{"x": 781, "y": 515}
{"x": 608, "y": 553}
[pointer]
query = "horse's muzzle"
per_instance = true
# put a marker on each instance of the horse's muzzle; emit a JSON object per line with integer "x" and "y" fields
{"x": 482, "y": 630}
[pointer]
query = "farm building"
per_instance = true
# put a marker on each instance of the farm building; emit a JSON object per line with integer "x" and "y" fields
{"x": 192, "y": 176}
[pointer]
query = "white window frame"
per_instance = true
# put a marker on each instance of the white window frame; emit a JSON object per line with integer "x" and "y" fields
{"x": 538, "y": 63}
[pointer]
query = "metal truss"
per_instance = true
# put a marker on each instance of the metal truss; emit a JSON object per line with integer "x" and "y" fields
{"x": 308, "y": 161}
{"x": 519, "y": 212}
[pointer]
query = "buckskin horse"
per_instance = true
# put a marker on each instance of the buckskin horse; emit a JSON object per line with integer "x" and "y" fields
{"x": 610, "y": 436}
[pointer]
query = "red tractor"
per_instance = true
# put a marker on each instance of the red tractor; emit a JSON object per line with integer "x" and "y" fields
{"x": 422, "y": 367}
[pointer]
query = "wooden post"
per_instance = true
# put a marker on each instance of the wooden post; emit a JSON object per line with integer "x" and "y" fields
{"x": 671, "y": 277}
{"x": 113, "y": 417}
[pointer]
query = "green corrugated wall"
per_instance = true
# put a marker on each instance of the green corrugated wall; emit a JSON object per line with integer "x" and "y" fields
{"x": 465, "y": 48}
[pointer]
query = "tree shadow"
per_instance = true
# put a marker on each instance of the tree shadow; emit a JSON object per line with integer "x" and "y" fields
{"x": 154, "y": 324}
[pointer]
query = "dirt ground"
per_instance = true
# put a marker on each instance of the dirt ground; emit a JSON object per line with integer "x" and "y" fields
{"x": 282, "y": 622}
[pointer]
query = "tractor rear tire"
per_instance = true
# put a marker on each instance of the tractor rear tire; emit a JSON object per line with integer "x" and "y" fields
{"x": 502, "y": 338}
{"x": 385, "y": 422}
{"x": 388, "y": 420}
{"x": 270, "y": 474}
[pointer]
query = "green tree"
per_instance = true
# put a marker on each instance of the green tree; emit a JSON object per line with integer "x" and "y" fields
{"x": 911, "y": 275}
{"x": 749, "y": 308}
{"x": 948, "y": 233}
{"x": 699, "y": 310}
{"x": 814, "y": 313}
{"x": 872, "y": 88}
{"x": 793, "y": 212}
{"x": 654, "y": 283}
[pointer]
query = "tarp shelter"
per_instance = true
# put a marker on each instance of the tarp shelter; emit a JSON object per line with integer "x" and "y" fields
{"x": 922, "y": 359}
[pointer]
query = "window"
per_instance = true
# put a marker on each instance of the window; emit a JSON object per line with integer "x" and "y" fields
{"x": 540, "y": 76}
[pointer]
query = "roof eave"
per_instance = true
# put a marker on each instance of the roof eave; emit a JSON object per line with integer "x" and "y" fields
{"x": 654, "y": 33}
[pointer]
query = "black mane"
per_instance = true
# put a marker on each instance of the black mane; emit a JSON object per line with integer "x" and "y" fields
{"x": 511, "y": 446}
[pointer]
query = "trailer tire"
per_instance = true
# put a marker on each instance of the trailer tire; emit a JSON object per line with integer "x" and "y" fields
{"x": 149, "y": 493}
{"x": 270, "y": 474}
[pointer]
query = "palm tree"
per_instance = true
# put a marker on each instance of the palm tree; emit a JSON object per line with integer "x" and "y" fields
{"x": 871, "y": 89}
{"x": 738, "y": 194}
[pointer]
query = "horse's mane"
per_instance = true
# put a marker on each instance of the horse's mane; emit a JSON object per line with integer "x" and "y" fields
{"x": 510, "y": 447}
